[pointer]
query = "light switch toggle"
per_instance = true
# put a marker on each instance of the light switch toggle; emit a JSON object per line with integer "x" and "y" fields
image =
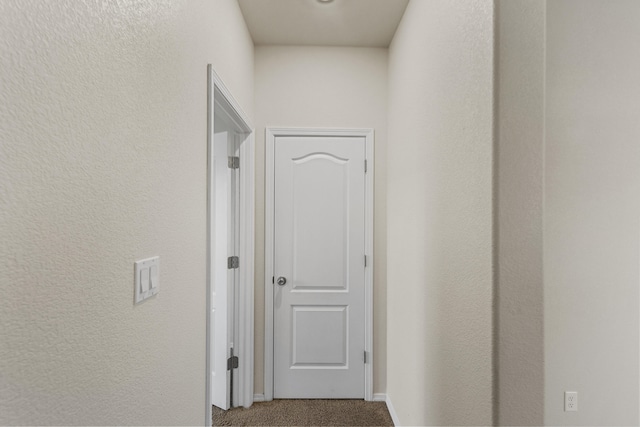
{"x": 144, "y": 280}
{"x": 147, "y": 278}
{"x": 153, "y": 276}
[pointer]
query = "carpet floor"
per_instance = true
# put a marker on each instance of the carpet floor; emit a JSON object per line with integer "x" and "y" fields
{"x": 303, "y": 412}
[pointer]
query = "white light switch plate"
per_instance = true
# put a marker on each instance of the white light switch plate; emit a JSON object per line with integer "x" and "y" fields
{"x": 147, "y": 278}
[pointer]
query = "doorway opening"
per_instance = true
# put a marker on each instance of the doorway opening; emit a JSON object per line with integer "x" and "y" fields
{"x": 230, "y": 251}
{"x": 319, "y": 263}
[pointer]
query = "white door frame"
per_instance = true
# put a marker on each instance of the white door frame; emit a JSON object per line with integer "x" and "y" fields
{"x": 220, "y": 101}
{"x": 271, "y": 135}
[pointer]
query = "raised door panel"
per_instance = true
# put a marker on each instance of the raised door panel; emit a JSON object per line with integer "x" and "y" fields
{"x": 320, "y": 221}
{"x": 320, "y": 335}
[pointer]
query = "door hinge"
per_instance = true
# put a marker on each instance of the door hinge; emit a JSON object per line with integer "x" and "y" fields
{"x": 233, "y": 262}
{"x": 232, "y": 363}
{"x": 365, "y": 260}
{"x": 365, "y": 356}
{"x": 365, "y": 166}
{"x": 234, "y": 162}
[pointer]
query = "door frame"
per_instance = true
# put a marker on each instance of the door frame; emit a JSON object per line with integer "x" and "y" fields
{"x": 220, "y": 101}
{"x": 271, "y": 134}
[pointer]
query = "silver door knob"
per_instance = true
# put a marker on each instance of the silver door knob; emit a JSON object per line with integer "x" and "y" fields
{"x": 282, "y": 281}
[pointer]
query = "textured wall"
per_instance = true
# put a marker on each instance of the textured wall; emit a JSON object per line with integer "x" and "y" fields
{"x": 519, "y": 155}
{"x": 592, "y": 211}
{"x": 231, "y": 52}
{"x": 439, "y": 330}
{"x": 102, "y": 162}
{"x": 324, "y": 87}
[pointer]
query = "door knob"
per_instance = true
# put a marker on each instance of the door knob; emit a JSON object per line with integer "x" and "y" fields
{"x": 282, "y": 281}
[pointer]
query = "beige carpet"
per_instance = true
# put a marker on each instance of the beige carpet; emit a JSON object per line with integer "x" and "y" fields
{"x": 302, "y": 412}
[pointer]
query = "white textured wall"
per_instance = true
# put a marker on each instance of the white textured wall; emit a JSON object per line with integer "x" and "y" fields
{"x": 231, "y": 51}
{"x": 102, "y": 162}
{"x": 324, "y": 87}
{"x": 439, "y": 330}
{"x": 520, "y": 132}
{"x": 592, "y": 211}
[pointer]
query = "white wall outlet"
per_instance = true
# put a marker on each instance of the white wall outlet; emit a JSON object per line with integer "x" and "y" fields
{"x": 147, "y": 280}
{"x": 571, "y": 401}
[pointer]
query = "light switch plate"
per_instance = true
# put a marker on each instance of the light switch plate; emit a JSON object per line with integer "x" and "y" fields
{"x": 147, "y": 278}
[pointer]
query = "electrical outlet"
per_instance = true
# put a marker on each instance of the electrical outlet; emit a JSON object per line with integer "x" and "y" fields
{"x": 571, "y": 401}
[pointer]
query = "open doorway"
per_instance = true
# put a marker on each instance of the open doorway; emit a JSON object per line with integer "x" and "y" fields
{"x": 230, "y": 250}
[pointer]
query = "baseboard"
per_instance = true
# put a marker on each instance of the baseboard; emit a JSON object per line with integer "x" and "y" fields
{"x": 392, "y": 412}
{"x": 377, "y": 397}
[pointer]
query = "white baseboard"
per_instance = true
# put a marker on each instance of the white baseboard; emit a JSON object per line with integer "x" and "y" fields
{"x": 392, "y": 412}
{"x": 377, "y": 397}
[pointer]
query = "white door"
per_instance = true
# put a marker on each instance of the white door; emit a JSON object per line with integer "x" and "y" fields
{"x": 223, "y": 241}
{"x": 319, "y": 249}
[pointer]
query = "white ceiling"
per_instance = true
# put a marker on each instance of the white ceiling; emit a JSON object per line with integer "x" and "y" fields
{"x": 369, "y": 23}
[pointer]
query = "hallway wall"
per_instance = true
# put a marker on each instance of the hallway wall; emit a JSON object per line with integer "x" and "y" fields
{"x": 519, "y": 316}
{"x": 439, "y": 304}
{"x": 103, "y": 162}
{"x": 569, "y": 211}
{"x": 324, "y": 87}
{"x": 592, "y": 211}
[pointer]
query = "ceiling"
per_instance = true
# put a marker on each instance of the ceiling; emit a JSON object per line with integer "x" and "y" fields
{"x": 365, "y": 23}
